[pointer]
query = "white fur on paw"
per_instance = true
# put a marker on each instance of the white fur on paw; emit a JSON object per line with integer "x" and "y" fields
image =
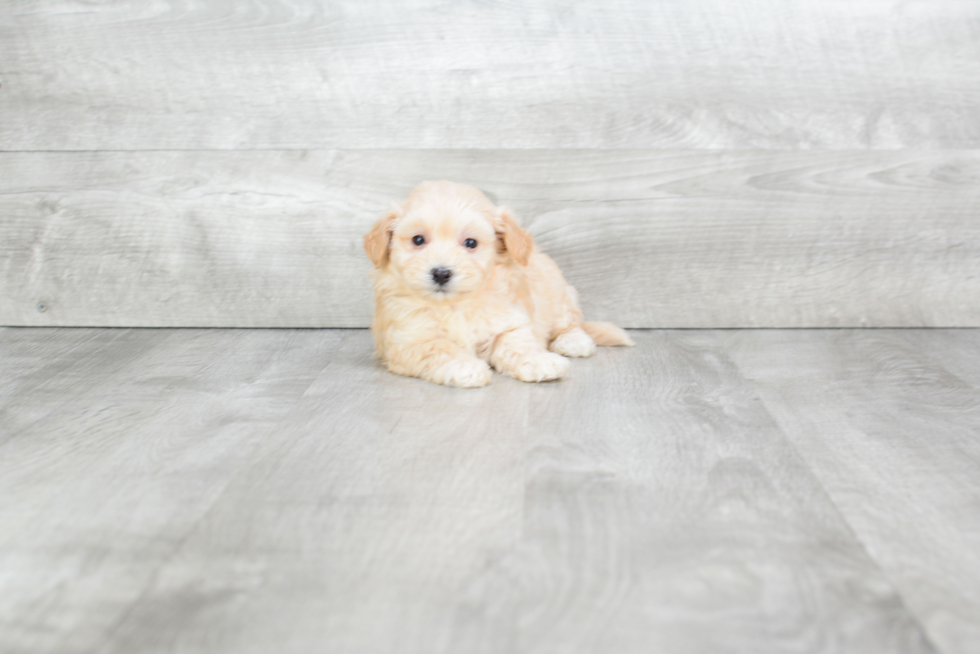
{"x": 573, "y": 343}
{"x": 542, "y": 367}
{"x": 467, "y": 373}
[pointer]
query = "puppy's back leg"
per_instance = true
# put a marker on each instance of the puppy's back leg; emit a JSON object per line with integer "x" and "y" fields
{"x": 573, "y": 343}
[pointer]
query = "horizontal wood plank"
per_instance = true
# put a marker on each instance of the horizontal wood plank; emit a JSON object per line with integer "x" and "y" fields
{"x": 297, "y": 74}
{"x": 650, "y": 239}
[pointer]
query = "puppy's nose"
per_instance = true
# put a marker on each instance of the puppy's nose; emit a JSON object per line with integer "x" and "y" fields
{"x": 441, "y": 275}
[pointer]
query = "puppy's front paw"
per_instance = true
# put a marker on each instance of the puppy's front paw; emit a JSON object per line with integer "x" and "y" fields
{"x": 466, "y": 373}
{"x": 573, "y": 343}
{"x": 541, "y": 367}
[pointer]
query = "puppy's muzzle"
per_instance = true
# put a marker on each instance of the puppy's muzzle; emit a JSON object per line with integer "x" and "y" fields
{"x": 441, "y": 276}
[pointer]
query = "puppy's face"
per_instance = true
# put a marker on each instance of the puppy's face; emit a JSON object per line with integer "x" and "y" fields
{"x": 444, "y": 240}
{"x": 442, "y": 252}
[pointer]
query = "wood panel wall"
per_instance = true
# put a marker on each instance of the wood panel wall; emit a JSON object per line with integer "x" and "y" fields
{"x": 699, "y": 164}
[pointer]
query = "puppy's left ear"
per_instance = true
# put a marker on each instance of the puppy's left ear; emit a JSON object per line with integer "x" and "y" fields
{"x": 517, "y": 242}
{"x": 378, "y": 240}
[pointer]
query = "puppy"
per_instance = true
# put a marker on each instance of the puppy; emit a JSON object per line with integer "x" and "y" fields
{"x": 460, "y": 287}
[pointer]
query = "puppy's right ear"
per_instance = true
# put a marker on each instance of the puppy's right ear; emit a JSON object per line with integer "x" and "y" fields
{"x": 378, "y": 240}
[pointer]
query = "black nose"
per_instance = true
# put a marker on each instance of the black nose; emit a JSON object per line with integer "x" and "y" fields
{"x": 441, "y": 275}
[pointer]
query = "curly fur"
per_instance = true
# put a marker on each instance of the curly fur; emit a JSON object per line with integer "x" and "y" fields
{"x": 505, "y": 306}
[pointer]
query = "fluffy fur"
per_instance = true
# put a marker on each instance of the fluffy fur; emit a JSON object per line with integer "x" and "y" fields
{"x": 505, "y": 304}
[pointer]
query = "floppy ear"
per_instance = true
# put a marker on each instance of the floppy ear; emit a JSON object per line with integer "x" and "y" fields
{"x": 516, "y": 241}
{"x": 378, "y": 240}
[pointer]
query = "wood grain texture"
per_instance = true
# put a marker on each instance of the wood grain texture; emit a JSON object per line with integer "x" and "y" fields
{"x": 230, "y": 491}
{"x": 664, "y": 511}
{"x": 356, "y": 525}
{"x": 35, "y": 362}
{"x": 889, "y": 422}
{"x": 650, "y": 239}
{"x": 705, "y": 74}
{"x": 111, "y": 458}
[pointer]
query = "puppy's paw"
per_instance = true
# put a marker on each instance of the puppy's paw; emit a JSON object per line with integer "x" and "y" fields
{"x": 541, "y": 367}
{"x": 573, "y": 343}
{"x": 466, "y": 373}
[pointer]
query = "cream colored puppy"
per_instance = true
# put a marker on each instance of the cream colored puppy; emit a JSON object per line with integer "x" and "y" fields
{"x": 460, "y": 287}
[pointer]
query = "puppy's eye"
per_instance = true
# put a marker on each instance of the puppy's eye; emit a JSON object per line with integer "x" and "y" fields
{"x": 470, "y": 243}
{"x": 419, "y": 240}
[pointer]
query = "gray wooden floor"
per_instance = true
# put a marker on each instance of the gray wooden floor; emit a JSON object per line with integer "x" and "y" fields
{"x": 275, "y": 491}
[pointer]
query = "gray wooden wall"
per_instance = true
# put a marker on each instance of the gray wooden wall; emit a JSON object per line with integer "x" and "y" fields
{"x": 696, "y": 163}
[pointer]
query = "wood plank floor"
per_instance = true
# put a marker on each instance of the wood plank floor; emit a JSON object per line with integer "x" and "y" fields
{"x": 276, "y": 491}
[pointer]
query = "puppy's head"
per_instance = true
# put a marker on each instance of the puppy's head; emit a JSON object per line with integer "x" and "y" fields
{"x": 444, "y": 240}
